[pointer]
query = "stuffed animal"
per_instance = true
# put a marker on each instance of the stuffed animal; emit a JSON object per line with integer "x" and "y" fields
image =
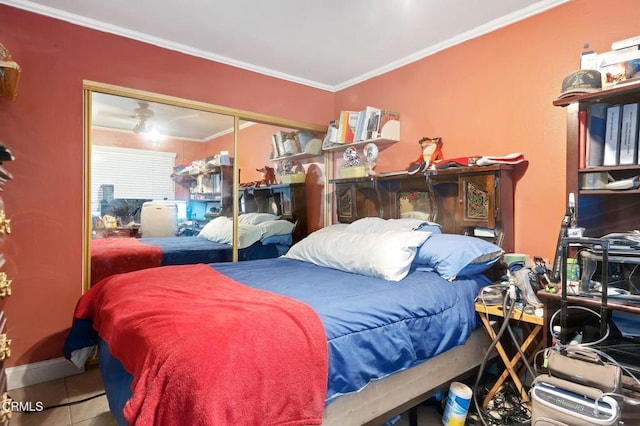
{"x": 268, "y": 176}
{"x": 430, "y": 152}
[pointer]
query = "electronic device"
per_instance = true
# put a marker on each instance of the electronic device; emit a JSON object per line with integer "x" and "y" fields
{"x": 584, "y": 410}
{"x": 492, "y": 294}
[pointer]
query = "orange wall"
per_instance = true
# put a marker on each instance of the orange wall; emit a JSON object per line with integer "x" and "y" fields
{"x": 491, "y": 95}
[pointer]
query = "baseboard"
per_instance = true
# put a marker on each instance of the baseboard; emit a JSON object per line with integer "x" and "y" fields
{"x": 38, "y": 372}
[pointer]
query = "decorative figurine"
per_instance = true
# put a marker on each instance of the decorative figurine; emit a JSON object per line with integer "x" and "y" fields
{"x": 351, "y": 157}
{"x": 370, "y": 152}
{"x": 430, "y": 152}
{"x": 268, "y": 176}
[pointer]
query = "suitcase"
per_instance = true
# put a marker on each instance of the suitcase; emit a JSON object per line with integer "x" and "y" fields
{"x": 159, "y": 219}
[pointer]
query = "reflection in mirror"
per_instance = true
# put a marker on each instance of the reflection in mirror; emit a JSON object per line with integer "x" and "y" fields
{"x": 143, "y": 152}
{"x": 277, "y": 174}
{"x": 160, "y": 175}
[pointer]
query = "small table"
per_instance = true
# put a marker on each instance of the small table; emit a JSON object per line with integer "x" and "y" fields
{"x": 531, "y": 326}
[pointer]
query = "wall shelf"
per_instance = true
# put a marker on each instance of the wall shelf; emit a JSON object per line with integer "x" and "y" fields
{"x": 300, "y": 156}
{"x": 390, "y": 134}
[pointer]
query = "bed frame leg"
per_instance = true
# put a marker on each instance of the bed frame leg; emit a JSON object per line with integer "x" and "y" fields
{"x": 413, "y": 416}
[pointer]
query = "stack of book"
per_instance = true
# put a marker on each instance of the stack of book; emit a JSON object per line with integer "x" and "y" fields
{"x": 357, "y": 126}
{"x": 609, "y": 135}
{"x": 621, "y": 64}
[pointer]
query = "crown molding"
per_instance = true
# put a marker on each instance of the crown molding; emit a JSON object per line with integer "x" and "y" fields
{"x": 534, "y": 9}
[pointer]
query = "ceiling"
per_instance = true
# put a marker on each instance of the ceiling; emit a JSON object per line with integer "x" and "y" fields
{"x": 328, "y": 44}
{"x": 119, "y": 113}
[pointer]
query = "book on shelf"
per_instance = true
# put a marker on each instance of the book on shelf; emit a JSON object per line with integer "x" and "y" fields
{"x": 278, "y": 147}
{"x": 618, "y": 66}
{"x": 347, "y": 125}
{"x": 385, "y": 116}
{"x": 367, "y": 126}
{"x": 596, "y": 125}
{"x": 612, "y": 136}
{"x": 372, "y": 124}
{"x": 332, "y": 133}
{"x": 582, "y": 139}
{"x": 626, "y": 43}
{"x": 359, "y": 127}
{"x": 629, "y": 135}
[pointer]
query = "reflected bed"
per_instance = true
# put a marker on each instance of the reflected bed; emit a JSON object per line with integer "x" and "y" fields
{"x": 260, "y": 236}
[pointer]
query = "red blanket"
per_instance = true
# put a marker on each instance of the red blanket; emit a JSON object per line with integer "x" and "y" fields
{"x": 206, "y": 350}
{"x": 117, "y": 255}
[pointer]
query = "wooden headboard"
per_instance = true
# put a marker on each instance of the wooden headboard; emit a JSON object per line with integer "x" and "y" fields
{"x": 285, "y": 200}
{"x": 475, "y": 200}
{"x": 386, "y": 197}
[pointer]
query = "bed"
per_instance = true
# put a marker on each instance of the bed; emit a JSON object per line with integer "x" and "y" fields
{"x": 261, "y": 236}
{"x": 380, "y": 319}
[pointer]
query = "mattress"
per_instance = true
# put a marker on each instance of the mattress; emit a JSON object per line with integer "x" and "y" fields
{"x": 192, "y": 249}
{"x": 374, "y": 328}
{"x": 117, "y": 255}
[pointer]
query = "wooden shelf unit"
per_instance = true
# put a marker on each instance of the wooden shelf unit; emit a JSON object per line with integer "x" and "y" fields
{"x": 600, "y": 211}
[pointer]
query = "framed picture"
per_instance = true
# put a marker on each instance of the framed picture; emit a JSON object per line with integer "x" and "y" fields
{"x": 415, "y": 205}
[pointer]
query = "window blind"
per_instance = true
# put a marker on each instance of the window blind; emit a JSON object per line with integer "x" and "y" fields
{"x": 134, "y": 173}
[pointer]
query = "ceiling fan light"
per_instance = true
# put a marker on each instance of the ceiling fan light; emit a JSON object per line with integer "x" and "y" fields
{"x": 141, "y": 127}
{"x": 152, "y": 134}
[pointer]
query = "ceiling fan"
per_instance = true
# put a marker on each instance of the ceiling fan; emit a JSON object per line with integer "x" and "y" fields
{"x": 144, "y": 116}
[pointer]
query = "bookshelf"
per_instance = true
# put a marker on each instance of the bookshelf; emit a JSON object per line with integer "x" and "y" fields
{"x": 600, "y": 211}
{"x": 298, "y": 156}
{"x": 389, "y": 135}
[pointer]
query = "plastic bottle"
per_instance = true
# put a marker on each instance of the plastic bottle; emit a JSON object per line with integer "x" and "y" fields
{"x": 573, "y": 276}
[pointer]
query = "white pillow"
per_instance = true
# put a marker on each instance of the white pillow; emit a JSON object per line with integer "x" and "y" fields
{"x": 220, "y": 230}
{"x": 334, "y": 228}
{"x": 276, "y": 227}
{"x": 368, "y": 225}
{"x": 256, "y": 218}
{"x": 212, "y": 227}
{"x": 385, "y": 255}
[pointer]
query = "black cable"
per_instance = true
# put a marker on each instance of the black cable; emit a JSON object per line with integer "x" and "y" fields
{"x": 521, "y": 352}
{"x": 507, "y": 408}
{"x": 65, "y": 404}
{"x": 495, "y": 341}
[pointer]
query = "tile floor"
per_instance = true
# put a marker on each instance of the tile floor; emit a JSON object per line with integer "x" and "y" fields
{"x": 428, "y": 415}
{"x": 94, "y": 412}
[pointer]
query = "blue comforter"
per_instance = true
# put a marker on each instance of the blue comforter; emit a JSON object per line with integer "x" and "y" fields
{"x": 374, "y": 327}
{"x": 193, "y": 249}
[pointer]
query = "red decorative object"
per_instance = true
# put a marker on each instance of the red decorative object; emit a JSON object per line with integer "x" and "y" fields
{"x": 430, "y": 152}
